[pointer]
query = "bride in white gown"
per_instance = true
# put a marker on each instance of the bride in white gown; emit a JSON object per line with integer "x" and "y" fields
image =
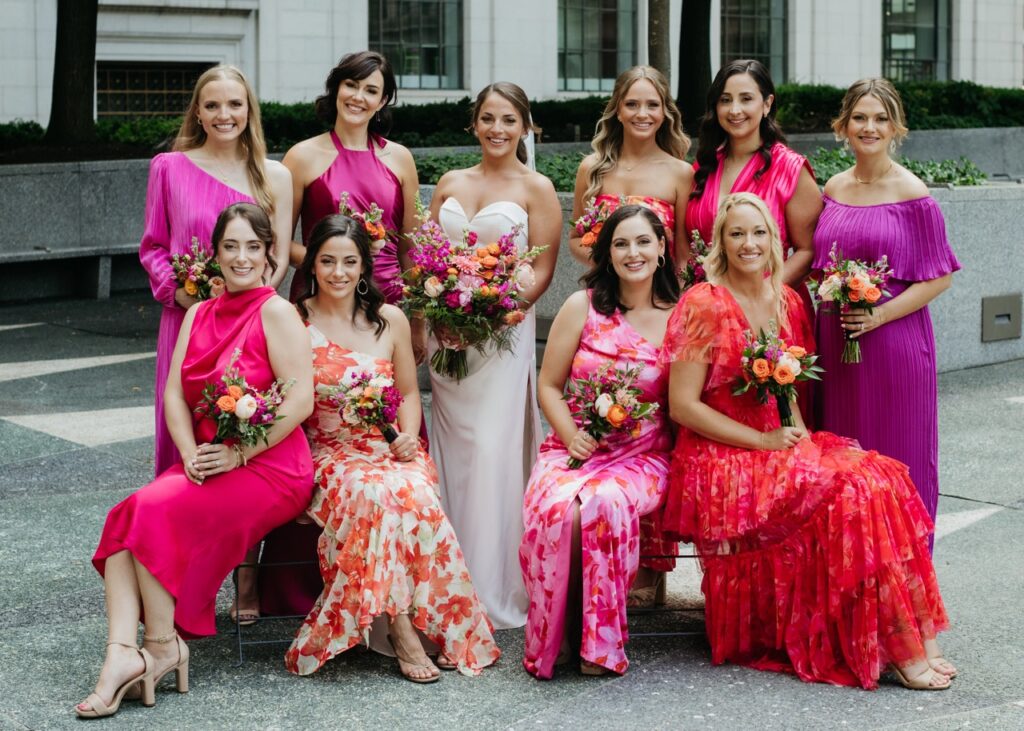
{"x": 485, "y": 429}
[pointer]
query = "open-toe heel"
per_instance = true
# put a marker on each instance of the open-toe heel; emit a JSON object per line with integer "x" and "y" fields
{"x": 99, "y": 709}
{"x": 921, "y": 681}
{"x": 180, "y": 668}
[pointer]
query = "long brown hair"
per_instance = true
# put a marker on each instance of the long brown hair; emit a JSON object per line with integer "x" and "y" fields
{"x": 192, "y": 135}
{"x": 357, "y": 66}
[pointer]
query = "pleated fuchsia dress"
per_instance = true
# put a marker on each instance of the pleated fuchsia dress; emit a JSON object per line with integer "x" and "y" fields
{"x": 191, "y": 536}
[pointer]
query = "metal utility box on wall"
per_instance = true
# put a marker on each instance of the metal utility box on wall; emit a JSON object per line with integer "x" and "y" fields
{"x": 1000, "y": 317}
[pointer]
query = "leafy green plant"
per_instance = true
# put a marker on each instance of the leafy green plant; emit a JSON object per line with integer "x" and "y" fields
{"x": 20, "y": 132}
{"x": 559, "y": 167}
{"x": 827, "y": 163}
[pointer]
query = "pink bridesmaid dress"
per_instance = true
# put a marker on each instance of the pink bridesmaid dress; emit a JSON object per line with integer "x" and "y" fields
{"x": 191, "y": 536}
{"x": 182, "y": 201}
{"x": 625, "y": 479}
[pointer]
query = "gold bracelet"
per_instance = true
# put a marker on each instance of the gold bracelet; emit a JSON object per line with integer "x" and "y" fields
{"x": 241, "y": 461}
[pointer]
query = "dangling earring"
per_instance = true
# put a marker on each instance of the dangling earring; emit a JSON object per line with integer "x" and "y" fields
{"x": 312, "y": 287}
{"x": 365, "y": 287}
{"x": 892, "y": 146}
{"x": 661, "y": 260}
{"x": 377, "y": 116}
{"x": 846, "y": 144}
{"x": 608, "y": 268}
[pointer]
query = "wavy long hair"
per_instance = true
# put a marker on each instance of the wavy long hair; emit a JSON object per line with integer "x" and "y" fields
{"x": 327, "y": 228}
{"x": 257, "y": 218}
{"x": 604, "y": 282}
{"x": 192, "y": 135}
{"x": 717, "y": 263}
{"x": 357, "y": 66}
{"x": 608, "y": 135}
{"x": 712, "y": 136}
{"x": 514, "y": 95}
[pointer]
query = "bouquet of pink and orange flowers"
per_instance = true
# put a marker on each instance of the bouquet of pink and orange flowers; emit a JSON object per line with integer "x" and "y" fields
{"x": 243, "y": 414}
{"x": 198, "y": 272}
{"x": 470, "y": 294}
{"x": 589, "y": 225}
{"x": 693, "y": 273}
{"x": 366, "y": 400}
{"x": 771, "y": 368}
{"x": 371, "y": 220}
{"x": 852, "y": 284}
{"x": 608, "y": 401}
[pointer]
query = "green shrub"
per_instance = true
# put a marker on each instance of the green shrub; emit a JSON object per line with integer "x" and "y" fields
{"x": 147, "y": 133}
{"x": 827, "y": 163}
{"x": 20, "y": 133}
{"x": 559, "y": 167}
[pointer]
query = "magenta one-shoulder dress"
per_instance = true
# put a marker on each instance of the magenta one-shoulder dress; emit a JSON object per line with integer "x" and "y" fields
{"x": 191, "y": 536}
{"x": 888, "y": 402}
{"x": 182, "y": 201}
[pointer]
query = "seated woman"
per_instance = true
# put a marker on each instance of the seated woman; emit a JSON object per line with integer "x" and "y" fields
{"x": 387, "y": 549}
{"x": 815, "y": 552}
{"x": 580, "y": 550}
{"x": 166, "y": 549}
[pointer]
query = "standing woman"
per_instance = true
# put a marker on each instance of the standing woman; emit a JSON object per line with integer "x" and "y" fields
{"x": 219, "y": 158}
{"x": 354, "y": 157}
{"x": 638, "y": 154}
{"x": 485, "y": 429}
{"x": 878, "y": 208}
{"x": 742, "y": 149}
{"x": 167, "y": 547}
{"x": 580, "y": 547}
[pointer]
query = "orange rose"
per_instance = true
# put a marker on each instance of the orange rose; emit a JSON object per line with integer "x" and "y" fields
{"x": 191, "y": 288}
{"x": 761, "y": 368}
{"x": 489, "y": 262}
{"x": 796, "y": 351}
{"x": 854, "y": 295}
{"x": 226, "y": 404}
{"x": 482, "y": 252}
{"x": 783, "y": 375}
{"x": 453, "y": 271}
{"x": 872, "y": 294}
{"x": 596, "y": 228}
{"x": 235, "y": 392}
{"x": 493, "y": 249}
{"x": 513, "y": 318}
{"x": 415, "y": 272}
{"x": 589, "y": 238}
{"x": 487, "y": 274}
{"x": 616, "y": 415}
{"x": 857, "y": 283}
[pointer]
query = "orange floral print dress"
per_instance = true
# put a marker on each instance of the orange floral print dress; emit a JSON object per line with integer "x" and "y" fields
{"x": 815, "y": 558}
{"x": 387, "y": 547}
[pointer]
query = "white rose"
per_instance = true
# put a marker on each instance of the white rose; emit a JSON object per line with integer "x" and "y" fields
{"x": 790, "y": 362}
{"x": 829, "y": 287}
{"x": 245, "y": 407}
{"x": 525, "y": 277}
{"x": 349, "y": 416}
{"x": 602, "y": 404}
{"x": 380, "y": 382}
{"x": 433, "y": 287}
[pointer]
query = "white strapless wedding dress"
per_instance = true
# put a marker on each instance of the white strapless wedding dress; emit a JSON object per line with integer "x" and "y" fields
{"x": 485, "y": 434}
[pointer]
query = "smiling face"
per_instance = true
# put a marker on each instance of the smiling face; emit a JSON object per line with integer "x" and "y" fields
{"x": 635, "y": 249}
{"x": 358, "y": 101}
{"x": 741, "y": 107}
{"x": 223, "y": 110}
{"x": 746, "y": 240}
{"x": 870, "y": 128}
{"x": 498, "y": 126}
{"x": 641, "y": 110}
{"x": 242, "y": 255}
{"x": 338, "y": 268}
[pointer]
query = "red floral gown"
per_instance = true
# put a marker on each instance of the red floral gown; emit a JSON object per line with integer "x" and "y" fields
{"x": 387, "y": 547}
{"x": 816, "y": 558}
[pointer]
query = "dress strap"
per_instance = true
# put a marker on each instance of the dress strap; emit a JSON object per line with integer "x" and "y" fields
{"x": 337, "y": 142}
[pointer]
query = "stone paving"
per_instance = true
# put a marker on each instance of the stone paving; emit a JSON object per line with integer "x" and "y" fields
{"x": 76, "y": 436}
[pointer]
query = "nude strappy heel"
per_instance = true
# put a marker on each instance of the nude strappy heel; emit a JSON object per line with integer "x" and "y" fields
{"x": 180, "y": 669}
{"x": 99, "y": 709}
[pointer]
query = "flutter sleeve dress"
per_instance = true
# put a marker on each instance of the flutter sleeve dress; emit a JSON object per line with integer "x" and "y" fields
{"x": 623, "y": 480}
{"x": 816, "y": 557}
{"x": 387, "y": 547}
{"x": 191, "y": 536}
{"x": 889, "y": 401}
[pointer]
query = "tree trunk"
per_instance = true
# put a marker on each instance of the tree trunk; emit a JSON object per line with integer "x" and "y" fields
{"x": 74, "y": 74}
{"x": 694, "y": 62}
{"x": 658, "y": 34}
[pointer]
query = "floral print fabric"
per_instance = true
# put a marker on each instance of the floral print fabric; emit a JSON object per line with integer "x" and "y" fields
{"x": 625, "y": 479}
{"x": 386, "y": 547}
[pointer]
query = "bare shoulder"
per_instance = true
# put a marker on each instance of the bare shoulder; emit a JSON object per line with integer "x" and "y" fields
{"x": 277, "y": 173}
{"x": 907, "y": 185}
{"x": 279, "y": 312}
{"x": 587, "y": 163}
{"x": 681, "y": 169}
{"x": 394, "y": 317}
{"x": 838, "y": 183}
{"x": 538, "y": 185}
{"x": 399, "y": 152}
{"x": 576, "y": 307}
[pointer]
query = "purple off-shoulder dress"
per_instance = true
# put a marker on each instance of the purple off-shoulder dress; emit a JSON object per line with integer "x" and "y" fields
{"x": 182, "y": 201}
{"x": 889, "y": 401}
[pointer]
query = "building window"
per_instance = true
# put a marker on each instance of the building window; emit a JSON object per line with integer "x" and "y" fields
{"x": 755, "y": 29}
{"x": 422, "y": 39}
{"x": 145, "y": 89}
{"x": 596, "y": 42}
{"x": 915, "y": 40}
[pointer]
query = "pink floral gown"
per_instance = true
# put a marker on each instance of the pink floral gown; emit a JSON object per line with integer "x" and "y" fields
{"x": 387, "y": 546}
{"x": 624, "y": 480}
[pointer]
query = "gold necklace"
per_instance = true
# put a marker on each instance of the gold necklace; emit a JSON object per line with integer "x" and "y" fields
{"x": 874, "y": 180}
{"x": 629, "y": 168}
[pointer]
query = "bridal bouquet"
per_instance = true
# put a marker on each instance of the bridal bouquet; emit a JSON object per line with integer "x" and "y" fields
{"x": 197, "y": 272}
{"x": 608, "y": 401}
{"x": 243, "y": 414}
{"x": 366, "y": 400}
{"x": 371, "y": 220}
{"x": 589, "y": 225}
{"x": 693, "y": 273}
{"x": 771, "y": 368}
{"x": 852, "y": 284}
{"x": 471, "y": 294}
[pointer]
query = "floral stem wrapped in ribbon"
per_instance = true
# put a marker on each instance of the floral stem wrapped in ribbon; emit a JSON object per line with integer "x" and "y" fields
{"x": 244, "y": 415}
{"x": 693, "y": 273}
{"x": 371, "y": 220}
{"x": 198, "y": 272}
{"x": 366, "y": 400}
{"x": 771, "y": 368}
{"x": 852, "y": 284}
{"x": 608, "y": 401}
{"x": 471, "y": 294}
